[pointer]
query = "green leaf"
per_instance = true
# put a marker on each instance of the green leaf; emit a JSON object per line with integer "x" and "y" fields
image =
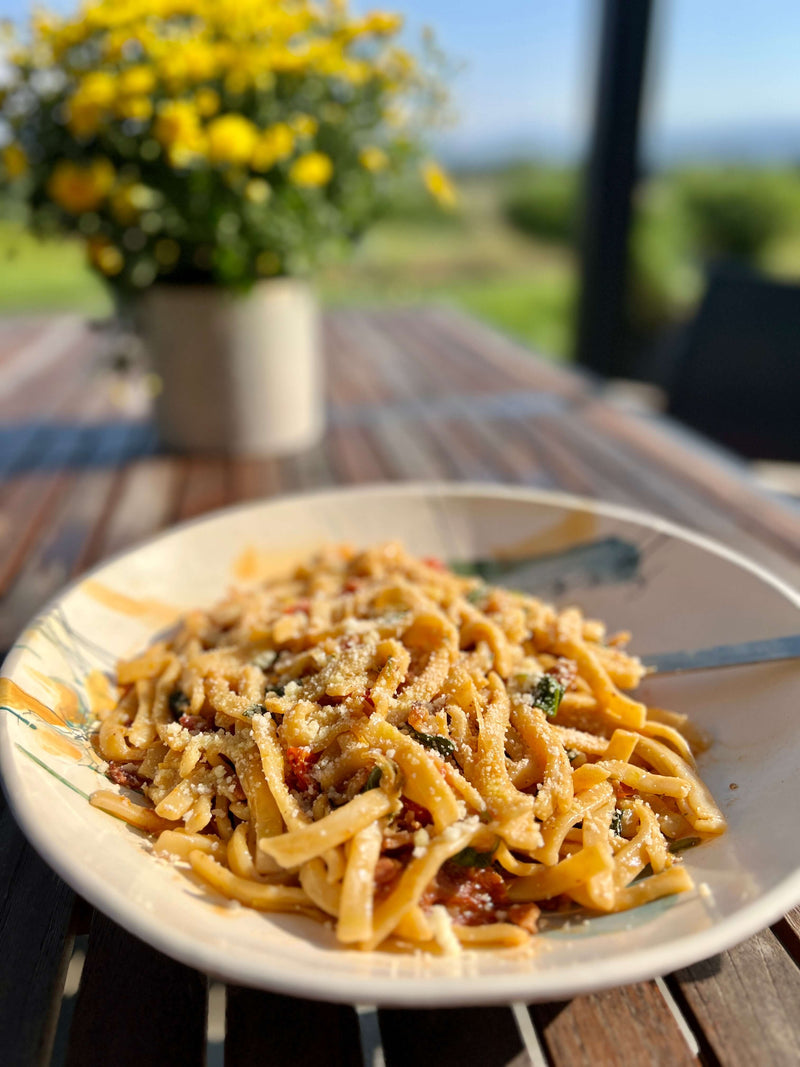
{"x": 683, "y": 843}
{"x": 254, "y": 709}
{"x": 476, "y": 596}
{"x": 374, "y": 780}
{"x": 470, "y": 857}
{"x": 178, "y": 703}
{"x": 547, "y": 695}
{"x": 616, "y": 822}
{"x": 443, "y": 745}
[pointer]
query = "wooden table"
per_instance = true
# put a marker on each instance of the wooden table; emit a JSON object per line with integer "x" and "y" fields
{"x": 413, "y": 395}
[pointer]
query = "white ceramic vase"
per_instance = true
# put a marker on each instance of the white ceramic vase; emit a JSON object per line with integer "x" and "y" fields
{"x": 240, "y": 374}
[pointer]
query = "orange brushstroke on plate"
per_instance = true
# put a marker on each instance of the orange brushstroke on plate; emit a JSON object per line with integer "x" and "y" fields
{"x": 101, "y": 691}
{"x": 147, "y": 609}
{"x": 574, "y": 528}
{"x": 13, "y": 697}
{"x": 58, "y": 745}
{"x": 67, "y": 706}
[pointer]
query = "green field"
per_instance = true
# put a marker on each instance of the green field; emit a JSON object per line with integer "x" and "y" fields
{"x": 474, "y": 260}
{"x": 505, "y": 255}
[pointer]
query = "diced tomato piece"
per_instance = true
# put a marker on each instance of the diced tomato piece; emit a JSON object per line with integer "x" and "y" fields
{"x": 300, "y": 760}
{"x": 434, "y": 562}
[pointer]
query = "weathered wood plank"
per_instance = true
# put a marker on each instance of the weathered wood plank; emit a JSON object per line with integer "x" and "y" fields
{"x": 135, "y": 1006}
{"x": 206, "y": 485}
{"x": 788, "y": 933}
{"x": 616, "y": 1028}
{"x": 695, "y": 465}
{"x": 288, "y": 1032}
{"x": 144, "y": 504}
{"x": 35, "y": 908}
{"x": 451, "y": 1037}
{"x": 745, "y": 1002}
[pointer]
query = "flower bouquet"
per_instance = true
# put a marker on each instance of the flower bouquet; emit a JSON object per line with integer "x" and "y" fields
{"x": 191, "y": 142}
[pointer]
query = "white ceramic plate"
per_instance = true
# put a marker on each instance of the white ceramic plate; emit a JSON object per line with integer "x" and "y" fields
{"x": 671, "y": 587}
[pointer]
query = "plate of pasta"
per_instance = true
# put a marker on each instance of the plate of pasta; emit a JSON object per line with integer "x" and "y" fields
{"x": 401, "y": 745}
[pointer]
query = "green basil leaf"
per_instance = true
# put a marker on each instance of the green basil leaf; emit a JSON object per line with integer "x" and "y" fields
{"x": 374, "y": 780}
{"x": 443, "y": 745}
{"x": 683, "y": 843}
{"x": 616, "y": 822}
{"x": 547, "y": 694}
{"x": 470, "y": 857}
{"x": 178, "y": 703}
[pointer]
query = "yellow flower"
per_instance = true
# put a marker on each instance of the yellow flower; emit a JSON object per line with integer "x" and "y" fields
{"x": 439, "y": 185}
{"x": 382, "y": 23}
{"x": 312, "y": 169}
{"x": 237, "y": 82}
{"x": 139, "y": 108}
{"x": 274, "y": 145}
{"x": 177, "y": 129}
{"x": 78, "y": 188}
{"x": 14, "y": 161}
{"x": 231, "y": 139}
{"x": 207, "y": 102}
{"x": 90, "y": 103}
{"x": 304, "y": 125}
{"x": 373, "y": 159}
{"x": 137, "y": 81}
{"x": 105, "y": 256}
{"x": 98, "y": 87}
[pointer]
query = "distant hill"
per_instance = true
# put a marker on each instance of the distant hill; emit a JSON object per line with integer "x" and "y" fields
{"x": 753, "y": 143}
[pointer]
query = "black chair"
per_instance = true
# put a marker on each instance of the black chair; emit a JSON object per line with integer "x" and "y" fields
{"x": 735, "y": 375}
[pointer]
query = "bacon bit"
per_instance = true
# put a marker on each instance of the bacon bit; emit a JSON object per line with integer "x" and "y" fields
{"x": 369, "y": 704}
{"x": 195, "y": 724}
{"x": 434, "y": 562}
{"x": 122, "y": 774}
{"x": 565, "y": 671}
{"x": 396, "y": 839}
{"x": 303, "y": 604}
{"x": 352, "y": 585}
{"x": 413, "y": 817}
{"x": 298, "y": 772}
{"x": 525, "y": 915}
{"x": 471, "y": 895}
{"x": 387, "y": 874}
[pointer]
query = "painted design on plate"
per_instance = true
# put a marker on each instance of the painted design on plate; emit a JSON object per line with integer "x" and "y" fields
{"x": 604, "y": 561}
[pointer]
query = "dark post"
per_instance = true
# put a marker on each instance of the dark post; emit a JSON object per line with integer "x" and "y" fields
{"x": 610, "y": 179}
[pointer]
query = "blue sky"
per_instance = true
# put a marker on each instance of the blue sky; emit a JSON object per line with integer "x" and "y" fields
{"x": 527, "y": 65}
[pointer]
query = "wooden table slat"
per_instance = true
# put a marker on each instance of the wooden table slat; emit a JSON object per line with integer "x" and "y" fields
{"x": 135, "y": 1006}
{"x": 451, "y": 1037}
{"x": 289, "y": 1032}
{"x": 35, "y": 909}
{"x": 745, "y": 1002}
{"x": 605, "y": 1028}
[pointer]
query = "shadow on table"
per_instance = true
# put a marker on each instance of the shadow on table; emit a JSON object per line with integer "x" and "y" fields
{"x": 45, "y": 446}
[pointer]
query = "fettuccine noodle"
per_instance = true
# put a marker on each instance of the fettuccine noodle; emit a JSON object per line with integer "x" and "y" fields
{"x": 408, "y": 753}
